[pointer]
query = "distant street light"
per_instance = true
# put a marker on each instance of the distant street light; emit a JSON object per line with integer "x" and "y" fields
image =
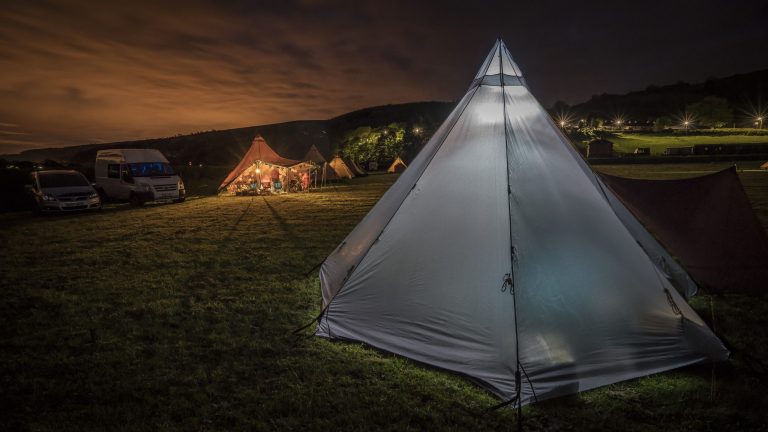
{"x": 562, "y": 124}
{"x": 759, "y": 122}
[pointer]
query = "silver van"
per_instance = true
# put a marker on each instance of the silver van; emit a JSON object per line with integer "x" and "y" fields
{"x": 137, "y": 176}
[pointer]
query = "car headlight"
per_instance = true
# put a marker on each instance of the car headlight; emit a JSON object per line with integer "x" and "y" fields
{"x": 181, "y": 185}
{"x": 47, "y": 197}
{"x": 144, "y": 187}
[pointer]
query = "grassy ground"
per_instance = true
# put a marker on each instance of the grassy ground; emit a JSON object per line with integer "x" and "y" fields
{"x": 627, "y": 143}
{"x": 179, "y": 317}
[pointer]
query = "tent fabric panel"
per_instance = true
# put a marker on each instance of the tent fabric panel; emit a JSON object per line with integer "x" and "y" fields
{"x": 422, "y": 287}
{"x": 347, "y": 255}
{"x": 509, "y": 67}
{"x": 664, "y": 261}
{"x": 592, "y": 307}
{"x": 489, "y": 59}
{"x": 495, "y": 80}
{"x": 707, "y": 222}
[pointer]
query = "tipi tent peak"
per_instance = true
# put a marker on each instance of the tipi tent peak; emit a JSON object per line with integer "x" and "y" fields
{"x": 540, "y": 288}
{"x": 314, "y": 155}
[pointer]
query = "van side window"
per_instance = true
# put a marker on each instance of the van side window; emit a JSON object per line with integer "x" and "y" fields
{"x": 113, "y": 171}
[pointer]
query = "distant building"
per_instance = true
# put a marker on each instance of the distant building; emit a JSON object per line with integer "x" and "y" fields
{"x": 599, "y": 148}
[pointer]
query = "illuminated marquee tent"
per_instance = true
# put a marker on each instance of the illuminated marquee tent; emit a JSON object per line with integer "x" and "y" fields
{"x": 397, "y": 166}
{"x": 529, "y": 274}
{"x": 261, "y": 163}
{"x": 314, "y": 155}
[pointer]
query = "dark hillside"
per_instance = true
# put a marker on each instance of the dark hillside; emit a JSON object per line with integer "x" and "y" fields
{"x": 291, "y": 139}
{"x": 742, "y": 91}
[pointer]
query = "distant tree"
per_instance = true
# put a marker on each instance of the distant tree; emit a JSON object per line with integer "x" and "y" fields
{"x": 661, "y": 123}
{"x": 375, "y": 144}
{"x": 712, "y": 111}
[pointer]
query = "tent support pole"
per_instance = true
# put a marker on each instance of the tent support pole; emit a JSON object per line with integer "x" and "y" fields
{"x": 512, "y": 256}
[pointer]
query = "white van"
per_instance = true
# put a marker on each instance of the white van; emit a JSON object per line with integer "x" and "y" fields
{"x": 137, "y": 176}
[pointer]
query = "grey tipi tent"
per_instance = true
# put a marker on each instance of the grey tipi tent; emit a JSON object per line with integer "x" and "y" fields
{"x": 530, "y": 283}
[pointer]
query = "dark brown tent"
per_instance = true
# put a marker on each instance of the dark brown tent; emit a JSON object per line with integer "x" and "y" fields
{"x": 314, "y": 155}
{"x": 707, "y": 223}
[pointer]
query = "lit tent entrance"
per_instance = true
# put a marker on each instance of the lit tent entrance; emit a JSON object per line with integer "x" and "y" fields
{"x": 532, "y": 286}
{"x": 263, "y": 171}
{"x": 397, "y": 166}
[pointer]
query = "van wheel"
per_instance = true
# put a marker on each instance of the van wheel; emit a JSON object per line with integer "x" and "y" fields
{"x": 136, "y": 201}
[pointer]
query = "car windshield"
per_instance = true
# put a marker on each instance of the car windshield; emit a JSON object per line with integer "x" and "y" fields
{"x": 149, "y": 169}
{"x": 62, "y": 180}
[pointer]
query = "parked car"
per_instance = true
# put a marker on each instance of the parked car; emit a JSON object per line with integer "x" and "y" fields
{"x": 137, "y": 176}
{"x": 62, "y": 191}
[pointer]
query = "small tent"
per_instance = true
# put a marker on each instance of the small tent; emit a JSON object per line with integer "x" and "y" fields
{"x": 397, "y": 166}
{"x": 495, "y": 280}
{"x": 764, "y": 166}
{"x": 707, "y": 222}
{"x": 356, "y": 169}
{"x": 314, "y": 155}
{"x": 339, "y": 169}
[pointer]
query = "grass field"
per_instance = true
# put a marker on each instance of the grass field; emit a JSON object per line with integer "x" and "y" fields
{"x": 627, "y": 143}
{"x": 179, "y": 317}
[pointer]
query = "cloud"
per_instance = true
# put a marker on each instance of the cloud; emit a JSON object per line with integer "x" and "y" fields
{"x": 83, "y": 71}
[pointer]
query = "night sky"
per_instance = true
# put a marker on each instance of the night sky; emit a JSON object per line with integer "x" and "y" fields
{"x": 76, "y": 72}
